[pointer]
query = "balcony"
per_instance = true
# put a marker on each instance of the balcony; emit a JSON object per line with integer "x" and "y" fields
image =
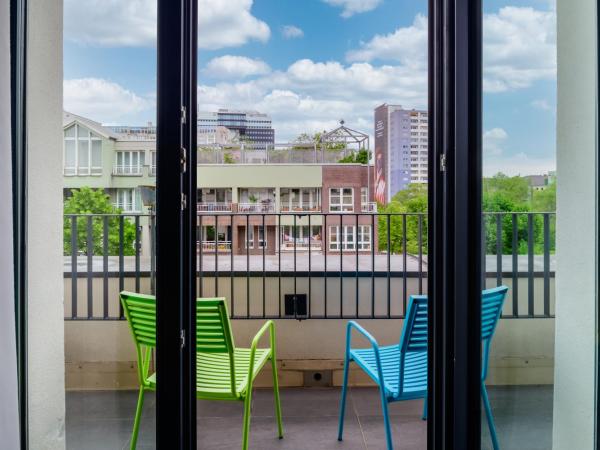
{"x": 214, "y": 207}
{"x": 372, "y": 286}
{"x": 294, "y": 207}
{"x": 257, "y": 207}
{"x": 127, "y": 170}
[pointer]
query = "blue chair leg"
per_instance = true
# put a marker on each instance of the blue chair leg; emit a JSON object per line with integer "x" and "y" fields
{"x": 490, "y": 418}
{"x": 424, "y": 417}
{"x": 343, "y": 401}
{"x": 386, "y": 420}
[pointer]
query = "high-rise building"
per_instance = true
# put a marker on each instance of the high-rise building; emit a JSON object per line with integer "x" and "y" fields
{"x": 251, "y": 126}
{"x": 401, "y": 149}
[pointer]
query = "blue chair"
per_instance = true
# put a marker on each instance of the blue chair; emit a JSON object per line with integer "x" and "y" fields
{"x": 492, "y": 301}
{"x": 399, "y": 370}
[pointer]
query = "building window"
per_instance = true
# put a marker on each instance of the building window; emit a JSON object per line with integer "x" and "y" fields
{"x": 220, "y": 240}
{"x": 82, "y": 152}
{"x": 153, "y": 163}
{"x": 364, "y": 195}
{"x": 256, "y": 231}
{"x": 364, "y": 237}
{"x": 127, "y": 200}
{"x": 343, "y": 241}
{"x": 341, "y": 200}
{"x": 129, "y": 163}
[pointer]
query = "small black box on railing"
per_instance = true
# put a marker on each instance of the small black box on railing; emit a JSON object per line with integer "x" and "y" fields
{"x": 295, "y": 305}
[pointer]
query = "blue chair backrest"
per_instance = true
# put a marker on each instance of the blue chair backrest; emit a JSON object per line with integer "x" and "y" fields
{"x": 492, "y": 301}
{"x": 414, "y": 340}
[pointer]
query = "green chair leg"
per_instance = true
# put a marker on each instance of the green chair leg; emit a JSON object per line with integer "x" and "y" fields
{"x": 277, "y": 401}
{"x": 247, "y": 413}
{"x": 136, "y": 422}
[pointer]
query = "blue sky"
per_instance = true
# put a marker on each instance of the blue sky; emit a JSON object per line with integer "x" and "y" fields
{"x": 310, "y": 63}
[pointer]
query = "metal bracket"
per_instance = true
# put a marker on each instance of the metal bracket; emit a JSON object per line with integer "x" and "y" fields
{"x": 182, "y": 337}
{"x": 183, "y": 201}
{"x": 183, "y": 159}
{"x": 443, "y": 162}
{"x": 183, "y": 114}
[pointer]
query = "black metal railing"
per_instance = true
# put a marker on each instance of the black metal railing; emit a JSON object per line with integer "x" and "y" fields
{"x": 303, "y": 266}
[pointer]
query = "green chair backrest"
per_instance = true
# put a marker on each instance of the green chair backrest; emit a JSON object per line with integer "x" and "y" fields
{"x": 140, "y": 312}
{"x": 213, "y": 329}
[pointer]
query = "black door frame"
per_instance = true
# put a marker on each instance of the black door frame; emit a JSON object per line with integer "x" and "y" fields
{"x": 18, "y": 55}
{"x": 454, "y": 274}
{"x": 175, "y": 222}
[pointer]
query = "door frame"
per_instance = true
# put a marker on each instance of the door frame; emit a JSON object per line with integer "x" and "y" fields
{"x": 454, "y": 275}
{"x": 176, "y": 224}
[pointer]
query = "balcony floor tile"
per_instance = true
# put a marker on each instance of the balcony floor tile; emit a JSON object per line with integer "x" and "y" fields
{"x": 103, "y": 420}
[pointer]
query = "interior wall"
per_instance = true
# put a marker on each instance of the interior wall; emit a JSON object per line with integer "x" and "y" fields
{"x": 9, "y": 415}
{"x": 576, "y": 241}
{"x": 45, "y": 261}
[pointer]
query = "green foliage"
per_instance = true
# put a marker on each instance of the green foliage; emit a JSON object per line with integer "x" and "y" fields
{"x": 411, "y": 200}
{"x": 95, "y": 201}
{"x": 360, "y": 157}
{"x": 228, "y": 158}
{"x": 500, "y": 194}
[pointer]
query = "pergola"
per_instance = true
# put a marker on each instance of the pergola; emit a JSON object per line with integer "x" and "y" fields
{"x": 346, "y": 136}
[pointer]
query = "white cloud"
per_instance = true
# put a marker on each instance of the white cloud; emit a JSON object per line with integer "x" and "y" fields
{"x": 291, "y": 32}
{"x": 115, "y": 23}
{"x": 542, "y": 104}
{"x": 311, "y": 96}
{"x": 518, "y": 164}
{"x": 493, "y": 140}
{"x": 519, "y": 47}
{"x": 352, "y": 7}
{"x": 406, "y": 45}
{"x": 229, "y": 66}
{"x": 104, "y": 101}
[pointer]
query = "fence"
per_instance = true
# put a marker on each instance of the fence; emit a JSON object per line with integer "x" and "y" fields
{"x": 366, "y": 266}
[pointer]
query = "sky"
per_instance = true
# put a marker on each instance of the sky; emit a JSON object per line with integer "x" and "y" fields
{"x": 310, "y": 63}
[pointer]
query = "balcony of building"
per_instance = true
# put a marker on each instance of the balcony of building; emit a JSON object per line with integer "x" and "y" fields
{"x": 214, "y": 200}
{"x": 372, "y": 286}
{"x": 296, "y": 200}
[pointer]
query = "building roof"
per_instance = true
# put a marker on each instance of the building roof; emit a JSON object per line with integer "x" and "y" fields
{"x": 104, "y": 131}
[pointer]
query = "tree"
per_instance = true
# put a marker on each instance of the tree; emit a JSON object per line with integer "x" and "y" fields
{"x": 544, "y": 200}
{"x": 410, "y": 201}
{"x": 94, "y": 201}
{"x": 360, "y": 157}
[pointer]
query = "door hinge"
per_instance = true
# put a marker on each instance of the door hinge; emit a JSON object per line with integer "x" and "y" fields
{"x": 183, "y": 201}
{"x": 443, "y": 162}
{"x": 183, "y": 114}
{"x": 183, "y": 159}
{"x": 182, "y": 338}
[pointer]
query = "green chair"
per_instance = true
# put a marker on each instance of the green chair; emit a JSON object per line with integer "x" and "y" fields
{"x": 223, "y": 372}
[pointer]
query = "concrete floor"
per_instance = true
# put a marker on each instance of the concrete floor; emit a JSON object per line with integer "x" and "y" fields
{"x": 103, "y": 420}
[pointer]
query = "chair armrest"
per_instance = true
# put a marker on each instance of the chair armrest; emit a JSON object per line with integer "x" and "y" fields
{"x": 353, "y": 325}
{"x": 269, "y": 325}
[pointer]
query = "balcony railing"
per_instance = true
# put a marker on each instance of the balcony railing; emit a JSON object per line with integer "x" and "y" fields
{"x": 294, "y": 153}
{"x": 127, "y": 170}
{"x": 107, "y": 257}
{"x": 299, "y": 207}
{"x": 210, "y": 246}
{"x": 214, "y": 207}
{"x": 369, "y": 207}
{"x": 257, "y": 207}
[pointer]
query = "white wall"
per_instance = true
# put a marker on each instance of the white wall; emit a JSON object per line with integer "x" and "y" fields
{"x": 45, "y": 286}
{"x": 9, "y": 416}
{"x": 576, "y": 226}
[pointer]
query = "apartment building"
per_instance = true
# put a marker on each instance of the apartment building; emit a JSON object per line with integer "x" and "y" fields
{"x": 242, "y": 207}
{"x": 285, "y": 207}
{"x": 99, "y": 157}
{"x": 401, "y": 149}
{"x": 250, "y": 126}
